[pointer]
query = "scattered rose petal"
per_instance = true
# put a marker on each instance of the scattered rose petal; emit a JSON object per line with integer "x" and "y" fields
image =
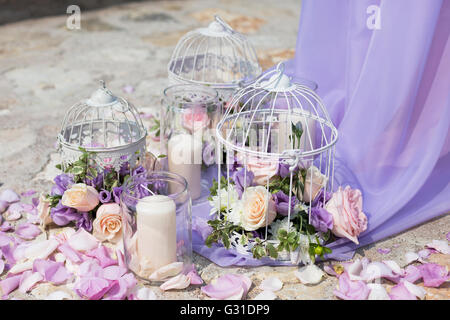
{"x": 28, "y": 193}
{"x": 412, "y": 274}
{"x": 28, "y": 231}
{"x": 384, "y": 250}
{"x": 14, "y": 212}
{"x": 58, "y": 295}
{"x": 401, "y": 292}
{"x": 9, "y": 196}
{"x": 92, "y": 288}
{"x": 120, "y": 288}
{"x": 394, "y": 267}
{"x": 28, "y": 280}
{"x": 21, "y": 267}
{"x": 167, "y": 271}
{"x": 433, "y": 274}
{"x": 5, "y": 240}
{"x": 180, "y": 281}
{"x": 82, "y": 241}
{"x": 271, "y": 284}
{"x": 447, "y": 236}
{"x": 193, "y": 275}
{"x": 228, "y": 286}
{"x": 128, "y": 89}
{"x": 64, "y": 235}
{"x": 142, "y": 294}
{"x": 10, "y": 284}
{"x": 59, "y": 257}
{"x": 113, "y": 272}
{"x": 90, "y": 268}
{"x": 2, "y": 266}
{"x": 351, "y": 290}
{"x": 266, "y": 295}
{"x": 51, "y": 271}
{"x": 439, "y": 245}
{"x": 330, "y": 270}
{"x": 411, "y": 257}
{"x": 419, "y": 292}
{"x": 311, "y": 274}
{"x": 102, "y": 255}
{"x": 3, "y": 206}
{"x": 69, "y": 253}
{"x": 424, "y": 254}
{"x": 40, "y": 249}
{"x": 6, "y": 226}
{"x": 377, "y": 292}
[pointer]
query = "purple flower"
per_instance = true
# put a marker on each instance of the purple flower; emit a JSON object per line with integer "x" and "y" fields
{"x": 242, "y": 178}
{"x": 96, "y": 182}
{"x": 138, "y": 170}
{"x": 319, "y": 199}
{"x": 116, "y": 192}
{"x": 124, "y": 169}
{"x": 321, "y": 219}
{"x": 62, "y": 183}
{"x": 62, "y": 215}
{"x": 104, "y": 196}
{"x": 84, "y": 221}
{"x": 282, "y": 203}
{"x": 208, "y": 154}
{"x": 283, "y": 170}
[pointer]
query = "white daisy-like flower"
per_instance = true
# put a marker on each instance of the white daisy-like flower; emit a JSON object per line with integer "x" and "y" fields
{"x": 228, "y": 199}
{"x": 277, "y": 225}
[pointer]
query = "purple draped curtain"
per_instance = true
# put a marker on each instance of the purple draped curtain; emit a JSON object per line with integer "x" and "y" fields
{"x": 386, "y": 85}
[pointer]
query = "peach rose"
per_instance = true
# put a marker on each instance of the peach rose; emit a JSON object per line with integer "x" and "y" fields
{"x": 346, "y": 208}
{"x": 314, "y": 181}
{"x": 43, "y": 209}
{"x": 195, "y": 119}
{"x": 108, "y": 222}
{"x": 81, "y": 197}
{"x": 256, "y": 210}
{"x": 262, "y": 169}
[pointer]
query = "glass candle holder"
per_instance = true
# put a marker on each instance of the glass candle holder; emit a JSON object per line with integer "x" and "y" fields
{"x": 189, "y": 117}
{"x": 157, "y": 232}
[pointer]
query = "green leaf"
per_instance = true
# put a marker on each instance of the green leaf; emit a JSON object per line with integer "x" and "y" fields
{"x": 226, "y": 240}
{"x": 59, "y": 166}
{"x": 272, "y": 251}
{"x": 77, "y": 170}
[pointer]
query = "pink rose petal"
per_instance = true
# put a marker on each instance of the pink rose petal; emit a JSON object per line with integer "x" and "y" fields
{"x": 14, "y": 212}
{"x": 440, "y": 246}
{"x": 83, "y": 241}
{"x": 5, "y": 240}
{"x": 91, "y": 268}
{"x": 28, "y": 193}
{"x": 227, "y": 286}
{"x": 412, "y": 274}
{"x": 193, "y": 275}
{"x": 3, "y": 206}
{"x": 433, "y": 274}
{"x": 92, "y": 288}
{"x": 10, "y": 284}
{"x": 28, "y": 280}
{"x": 400, "y": 292}
{"x": 9, "y": 196}
{"x": 447, "y": 236}
{"x": 6, "y": 226}
{"x": 102, "y": 255}
{"x": 424, "y": 254}
{"x": 113, "y": 272}
{"x": 69, "y": 253}
{"x": 51, "y": 271}
{"x": 351, "y": 290}
{"x": 28, "y": 231}
{"x": 180, "y": 281}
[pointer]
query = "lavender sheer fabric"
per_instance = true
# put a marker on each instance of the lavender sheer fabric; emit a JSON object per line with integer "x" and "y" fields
{"x": 388, "y": 92}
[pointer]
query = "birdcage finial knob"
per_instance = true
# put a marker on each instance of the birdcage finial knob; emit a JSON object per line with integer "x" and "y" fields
{"x": 102, "y": 96}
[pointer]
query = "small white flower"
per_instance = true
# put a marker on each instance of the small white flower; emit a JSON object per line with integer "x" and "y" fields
{"x": 228, "y": 199}
{"x": 280, "y": 225}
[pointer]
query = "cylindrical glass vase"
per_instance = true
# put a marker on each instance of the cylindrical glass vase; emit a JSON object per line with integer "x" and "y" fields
{"x": 157, "y": 231}
{"x": 189, "y": 117}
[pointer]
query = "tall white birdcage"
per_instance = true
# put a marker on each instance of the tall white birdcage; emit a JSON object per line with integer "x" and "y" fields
{"x": 275, "y": 165}
{"x": 106, "y": 126}
{"x": 215, "y": 56}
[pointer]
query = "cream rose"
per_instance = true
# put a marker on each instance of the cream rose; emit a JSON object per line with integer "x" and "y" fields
{"x": 81, "y": 197}
{"x": 108, "y": 223}
{"x": 348, "y": 218}
{"x": 43, "y": 209}
{"x": 314, "y": 181}
{"x": 258, "y": 208}
{"x": 262, "y": 169}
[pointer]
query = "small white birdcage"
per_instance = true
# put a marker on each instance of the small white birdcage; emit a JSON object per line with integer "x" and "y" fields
{"x": 108, "y": 127}
{"x": 277, "y": 142}
{"x": 215, "y": 56}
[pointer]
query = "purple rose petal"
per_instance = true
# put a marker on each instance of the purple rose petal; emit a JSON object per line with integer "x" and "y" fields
{"x": 400, "y": 292}
{"x": 28, "y": 231}
{"x": 10, "y": 284}
{"x": 6, "y": 226}
{"x": 384, "y": 250}
{"x": 351, "y": 290}
{"x": 448, "y": 236}
{"x": 102, "y": 255}
{"x": 3, "y": 206}
{"x": 69, "y": 253}
{"x": 113, "y": 272}
{"x": 51, "y": 271}
{"x": 433, "y": 274}
{"x": 92, "y": 288}
{"x": 226, "y": 286}
{"x": 9, "y": 196}
{"x": 28, "y": 193}
{"x": 14, "y": 212}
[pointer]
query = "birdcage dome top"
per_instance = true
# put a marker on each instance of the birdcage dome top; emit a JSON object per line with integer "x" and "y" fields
{"x": 274, "y": 110}
{"x": 215, "y": 55}
{"x": 101, "y": 122}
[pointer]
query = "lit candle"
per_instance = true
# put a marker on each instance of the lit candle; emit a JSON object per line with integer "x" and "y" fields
{"x": 185, "y": 159}
{"x": 156, "y": 231}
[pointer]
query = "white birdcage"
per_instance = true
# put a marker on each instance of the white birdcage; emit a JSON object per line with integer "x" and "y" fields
{"x": 108, "y": 127}
{"x": 260, "y": 132}
{"x": 215, "y": 56}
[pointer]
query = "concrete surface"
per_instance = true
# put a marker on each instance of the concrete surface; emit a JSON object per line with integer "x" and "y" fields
{"x": 45, "y": 68}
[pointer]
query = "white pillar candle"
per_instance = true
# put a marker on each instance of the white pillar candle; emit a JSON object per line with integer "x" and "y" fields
{"x": 284, "y": 130}
{"x": 156, "y": 232}
{"x": 185, "y": 159}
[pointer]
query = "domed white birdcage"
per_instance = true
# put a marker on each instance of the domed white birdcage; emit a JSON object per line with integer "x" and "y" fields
{"x": 108, "y": 127}
{"x": 215, "y": 56}
{"x": 279, "y": 133}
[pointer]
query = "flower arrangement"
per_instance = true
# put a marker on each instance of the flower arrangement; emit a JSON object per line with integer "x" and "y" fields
{"x": 316, "y": 217}
{"x": 87, "y": 197}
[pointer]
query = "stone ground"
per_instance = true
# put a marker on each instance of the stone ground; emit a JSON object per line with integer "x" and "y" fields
{"x": 45, "y": 68}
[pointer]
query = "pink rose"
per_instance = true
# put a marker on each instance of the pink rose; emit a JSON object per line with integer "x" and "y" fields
{"x": 43, "y": 209}
{"x": 346, "y": 208}
{"x": 81, "y": 197}
{"x": 263, "y": 169}
{"x": 314, "y": 181}
{"x": 108, "y": 222}
{"x": 258, "y": 208}
{"x": 195, "y": 119}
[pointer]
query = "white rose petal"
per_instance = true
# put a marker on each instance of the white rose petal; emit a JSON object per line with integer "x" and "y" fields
{"x": 439, "y": 245}
{"x": 58, "y": 295}
{"x": 415, "y": 290}
{"x": 377, "y": 292}
{"x": 310, "y": 274}
{"x": 411, "y": 257}
{"x": 266, "y": 295}
{"x": 271, "y": 284}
